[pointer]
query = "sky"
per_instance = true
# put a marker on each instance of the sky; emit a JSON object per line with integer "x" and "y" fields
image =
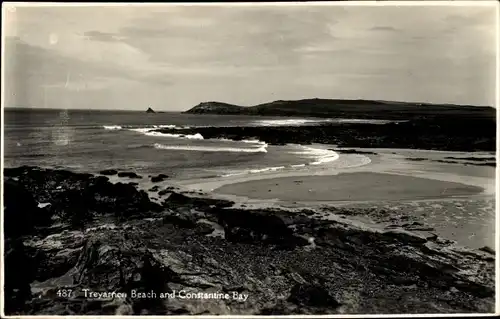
{"x": 173, "y": 57}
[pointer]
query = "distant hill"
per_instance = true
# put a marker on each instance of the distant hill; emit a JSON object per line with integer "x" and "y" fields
{"x": 344, "y": 109}
{"x": 217, "y": 108}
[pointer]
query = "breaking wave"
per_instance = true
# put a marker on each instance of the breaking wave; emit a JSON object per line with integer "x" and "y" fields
{"x": 112, "y": 127}
{"x": 149, "y": 132}
{"x": 320, "y": 156}
{"x": 317, "y": 155}
{"x": 301, "y": 122}
{"x": 147, "y": 127}
{"x": 287, "y": 122}
{"x": 261, "y": 149}
{"x": 267, "y": 169}
{"x": 254, "y": 141}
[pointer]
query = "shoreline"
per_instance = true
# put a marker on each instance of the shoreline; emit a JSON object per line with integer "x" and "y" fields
{"x": 390, "y": 161}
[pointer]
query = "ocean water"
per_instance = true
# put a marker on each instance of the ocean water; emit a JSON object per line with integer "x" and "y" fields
{"x": 90, "y": 141}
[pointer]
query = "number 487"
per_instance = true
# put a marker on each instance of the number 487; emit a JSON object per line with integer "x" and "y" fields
{"x": 65, "y": 293}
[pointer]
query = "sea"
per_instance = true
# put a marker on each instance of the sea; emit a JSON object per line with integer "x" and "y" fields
{"x": 93, "y": 140}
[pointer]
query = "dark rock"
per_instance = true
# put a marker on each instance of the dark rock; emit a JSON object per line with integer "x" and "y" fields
{"x": 150, "y": 110}
{"x": 351, "y": 151}
{"x": 488, "y": 250}
{"x": 420, "y": 228}
{"x": 257, "y": 227}
{"x": 76, "y": 198}
{"x": 312, "y": 296}
{"x": 181, "y": 220}
{"x": 114, "y": 268}
{"x": 108, "y": 172}
{"x": 54, "y": 263}
{"x": 158, "y": 178}
{"x": 204, "y": 204}
{"x": 416, "y": 159}
{"x": 129, "y": 175}
{"x": 204, "y": 228}
{"x": 163, "y": 192}
{"x": 21, "y": 212}
{"x": 154, "y": 189}
{"x": 405, "y": 237}
{"x": 21, "y": 270}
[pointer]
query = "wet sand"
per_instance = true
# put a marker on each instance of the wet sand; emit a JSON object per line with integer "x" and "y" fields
{"x": 357, "y": 186}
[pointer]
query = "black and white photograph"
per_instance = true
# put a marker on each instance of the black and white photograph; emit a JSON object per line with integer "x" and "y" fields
{"x": 249, "y": 159}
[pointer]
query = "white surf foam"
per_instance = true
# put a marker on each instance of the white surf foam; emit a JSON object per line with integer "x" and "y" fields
{"x": 112, "y": 127}
{"x": 168, "y": 126}
{"x": 149, "y": 127}
{"x": 262, "y": 149}
{"x": 234, "y": 174}
{"x": 254, "y": 171}
{"x": 267, "y": 169}
{"x": 364, "y": 121}
{"x": 287, "y": 122}
{"x": 320, "y": 156}
{"x": 150, "y": 132}
{"x": 243, "y": 141}
{"x": 254, "y": 142}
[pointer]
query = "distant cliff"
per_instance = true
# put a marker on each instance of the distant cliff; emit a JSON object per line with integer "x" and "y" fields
{"x": 344, "y": 109}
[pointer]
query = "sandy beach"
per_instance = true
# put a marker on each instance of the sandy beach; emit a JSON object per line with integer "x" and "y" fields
{"x": 360, "y": 186}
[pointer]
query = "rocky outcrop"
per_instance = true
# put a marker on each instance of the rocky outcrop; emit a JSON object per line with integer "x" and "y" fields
{"x": 150, "y": 110}
{"x": 109, "y": 172}
{"x": 129, "y": 175}
{"x": 72, "y": 198}
{"x": 433, "y": 134}
{"x": 21, "y": 270}
{"x": 312, "y": 295}
{"x": 158, "y": 178}
{"x": 369, "y": 272}
{"x": 21, "y": 211}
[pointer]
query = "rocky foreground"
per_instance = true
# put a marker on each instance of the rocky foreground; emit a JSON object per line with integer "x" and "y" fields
{"x": 74, "y": 241}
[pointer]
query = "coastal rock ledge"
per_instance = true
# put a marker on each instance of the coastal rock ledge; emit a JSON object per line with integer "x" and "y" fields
{"x": 95, "y": 239}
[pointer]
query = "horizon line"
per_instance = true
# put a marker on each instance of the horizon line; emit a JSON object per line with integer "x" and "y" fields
{"x": 249, "y": 106}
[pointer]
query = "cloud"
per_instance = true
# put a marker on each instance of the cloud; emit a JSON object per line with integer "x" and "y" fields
{"x": 30, "y": 68}
{"x": 383, "y": 29}
{"x": 229, "y": 36}
{"x": 180, "y": 55}
{"x": 101, "y": 36}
